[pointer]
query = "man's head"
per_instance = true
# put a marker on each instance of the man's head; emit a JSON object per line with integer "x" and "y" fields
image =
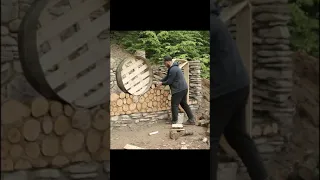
{"x": 167, "y": 61}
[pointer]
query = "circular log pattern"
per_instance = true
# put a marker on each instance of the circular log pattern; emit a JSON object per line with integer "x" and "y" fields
{"x": 55, "y": 44}
{"x": 134, "y": 75}
{"x": 14, "y": 135}
{"x": 32, "y": 150}
{"x": 50, "y": 146}
{"x": 31, "y": 129}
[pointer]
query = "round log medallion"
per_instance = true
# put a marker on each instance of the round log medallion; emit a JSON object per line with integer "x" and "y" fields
{"x": 134, "y": 75}
{"x": 65, "y": 48}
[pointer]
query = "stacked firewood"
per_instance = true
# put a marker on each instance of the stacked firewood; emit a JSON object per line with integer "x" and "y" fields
{"x": 154, "y": 100}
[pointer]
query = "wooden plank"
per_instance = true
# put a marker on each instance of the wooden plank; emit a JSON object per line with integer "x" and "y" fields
{"x": 129, "y": 146}
{"x": 78, "y": 40}
{"x": 229, "y": 12}
{"x": 135, "y": 73}
{"x": 94, "y": 98}
{"x": 85, "y": 83}
{"x": 79, "y": 12}
{"x": 181, "y": 65}
{"x": 186, "y": 77}
{"x": 71, "y": 68}
{"x": 141, "y": 91}
{"x": 177, "y": 126}
{"x": 141, "y": 85}
{"x": 137, "y": 80}
{"x": 244, "y": 43}
{"x": 125, "y": 70}
{"x": 45, "y": 16}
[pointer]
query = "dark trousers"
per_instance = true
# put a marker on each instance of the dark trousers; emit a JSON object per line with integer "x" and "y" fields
{"x": 227, "y": 116}
{"x": 180, "y": 98}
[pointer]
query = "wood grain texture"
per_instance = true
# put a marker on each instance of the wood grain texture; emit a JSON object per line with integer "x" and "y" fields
{"x": 64, "y": 56}
{"x": 134, "y": 75}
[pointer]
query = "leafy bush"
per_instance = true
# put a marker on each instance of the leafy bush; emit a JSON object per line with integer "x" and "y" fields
{"x": 190, "y": 45}
{"x": 304, "y": 26}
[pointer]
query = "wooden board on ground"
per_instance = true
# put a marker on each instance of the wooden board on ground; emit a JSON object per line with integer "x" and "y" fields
{"x": 65, "y": 47}
{"x": 177, "y": 126}
{"x": 134, "y": 75}
{"x": 129, "y": 146}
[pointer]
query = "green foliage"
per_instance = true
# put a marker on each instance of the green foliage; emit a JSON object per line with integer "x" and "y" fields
{"x": 305, "y": 26}
{"x": 190, "y": 45}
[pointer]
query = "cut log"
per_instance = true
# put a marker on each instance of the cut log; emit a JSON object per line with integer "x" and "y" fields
{"x": 62, "y": 125}
{"x": 32, "y": 150}
{"x": 101, "y": 120}
{"x": 113, "y": 104}
{"x": 154, "y": 103}
{"x": 14, "y": 135}
{"x": 56, "y": 108}
{"x": 114, "y": 97}
{"x": 129, "y": 101}
{"x": 73, "y": 141}
{"x": 125, "y": 108}
{"x": 13, "y": 111}
{"x": 47, "y": 124}
{"x": 68, "y": 110}
{"x": 127, "y": 95}
{"x": 139, "y": 106}
{"x": 132, "y": 107}
{"x": 31, "y": 129}
{"x": 144, "y": 105}
{"x": 39, "y": 107}
{"x": 93, "y": 141}
{"x": 141, "y": 100}
{"x": 135, "y": 99}
{"x": 119, "y": 102}
{"x": 122, "y": 95}
{"x": 81, "y": 119}
{"x": 16, "y": 151}
{"x": 50, "y": 146}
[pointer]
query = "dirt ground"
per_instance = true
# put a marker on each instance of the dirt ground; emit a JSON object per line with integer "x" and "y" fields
{"x": 139, "y": 136}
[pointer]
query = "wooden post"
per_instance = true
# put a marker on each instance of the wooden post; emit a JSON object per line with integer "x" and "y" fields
{"x": 186, "y": 77}
{"x": 244, "y": 42}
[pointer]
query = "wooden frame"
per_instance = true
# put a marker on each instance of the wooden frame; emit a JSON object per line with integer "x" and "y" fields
{"x": 242, "y": 11}
{"x": 120, "y": 80}
{"x": 78, "y": 82}
{"x": 184, "y": 64}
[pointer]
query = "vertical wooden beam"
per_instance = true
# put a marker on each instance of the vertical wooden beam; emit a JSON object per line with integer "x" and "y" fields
{"x": 186, "y": 77}
{"x": 244, "y": 42}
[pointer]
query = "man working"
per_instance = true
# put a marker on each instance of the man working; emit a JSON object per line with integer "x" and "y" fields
{"x": 229, "y": 93}
{"x": 179, "y": 90}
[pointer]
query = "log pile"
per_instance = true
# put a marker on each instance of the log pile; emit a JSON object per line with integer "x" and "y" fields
{"x": 48, "y": 133}
{"x": 152, "y": 101}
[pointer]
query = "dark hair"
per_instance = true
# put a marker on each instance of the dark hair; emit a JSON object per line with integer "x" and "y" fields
{"x": 167, "y": 58}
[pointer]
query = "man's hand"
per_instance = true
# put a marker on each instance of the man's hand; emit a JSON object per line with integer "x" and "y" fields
{"x": 159, "y": 84}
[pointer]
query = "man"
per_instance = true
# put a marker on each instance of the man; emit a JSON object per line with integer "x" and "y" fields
{"x": 229, "y": 93}
{"x": 179, "y": 90}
